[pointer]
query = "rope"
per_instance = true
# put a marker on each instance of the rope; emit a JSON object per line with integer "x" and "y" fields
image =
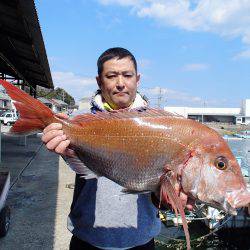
{"x": 214, "y": 231}
{"x": 23, "y": 169}
{"x": 201, "y": 238}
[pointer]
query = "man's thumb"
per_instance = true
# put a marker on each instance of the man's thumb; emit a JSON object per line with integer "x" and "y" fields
{"x": 62, "y": 116}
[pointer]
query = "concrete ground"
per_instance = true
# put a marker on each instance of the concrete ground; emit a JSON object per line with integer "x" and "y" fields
{"x": 40, "y": 200}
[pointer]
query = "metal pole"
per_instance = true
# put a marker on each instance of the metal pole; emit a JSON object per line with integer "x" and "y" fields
{"x": 0, "y": 142}
{"x": 248, "y": 164}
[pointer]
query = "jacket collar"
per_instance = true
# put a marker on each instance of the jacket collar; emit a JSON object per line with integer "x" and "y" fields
{"x": 98, "y": 105}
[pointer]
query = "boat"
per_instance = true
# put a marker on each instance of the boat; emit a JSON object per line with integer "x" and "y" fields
{"x": 245, "y": 134}
{"x": 231, "y": 137}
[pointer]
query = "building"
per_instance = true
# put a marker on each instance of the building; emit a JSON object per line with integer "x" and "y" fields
{"x": 244, "y": 116}
{"x": 239, "y": 115}
{"x": 45, "y": 101}
{"x": 59, "y": 106}
{"x": 5, "y": 102}
{"x": 84, "y": 105}
{"x": 54, "y": 104}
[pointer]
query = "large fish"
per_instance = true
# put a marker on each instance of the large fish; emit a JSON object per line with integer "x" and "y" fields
{"x": 147, "y": 150}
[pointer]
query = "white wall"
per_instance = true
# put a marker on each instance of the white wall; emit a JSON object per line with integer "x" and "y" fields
{"x": 84, "y": 105}
{"x": 247, "y": 120}
{"x": 185, "y": 111}
{"x": 246, "y": 107}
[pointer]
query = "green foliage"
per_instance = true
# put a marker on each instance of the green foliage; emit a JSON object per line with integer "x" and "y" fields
{"x": 58, "y": 93}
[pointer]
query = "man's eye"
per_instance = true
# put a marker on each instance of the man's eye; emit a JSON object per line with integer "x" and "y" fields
{"x": 111, "y": 76}
{"x": 128, "y": 75}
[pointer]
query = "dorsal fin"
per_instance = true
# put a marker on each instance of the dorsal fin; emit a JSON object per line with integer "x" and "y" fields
{"x": 123, "y": 114}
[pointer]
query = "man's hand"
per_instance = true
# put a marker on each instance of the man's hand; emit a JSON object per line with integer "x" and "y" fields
{"x": 56, "y": 140}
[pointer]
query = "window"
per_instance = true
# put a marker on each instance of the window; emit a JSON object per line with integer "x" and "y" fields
{"x": 5, "y": 103}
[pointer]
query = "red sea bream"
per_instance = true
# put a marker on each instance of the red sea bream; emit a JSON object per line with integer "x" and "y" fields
{"x": 147, "y": 150}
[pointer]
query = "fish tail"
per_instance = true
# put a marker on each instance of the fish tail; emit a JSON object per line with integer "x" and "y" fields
{"x": 34, "y": 116}
{"x": 168, "y": 195}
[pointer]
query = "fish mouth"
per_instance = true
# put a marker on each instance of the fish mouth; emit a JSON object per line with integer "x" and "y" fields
{"x": 226, "y": 207}
{"x": 236, "y": 199}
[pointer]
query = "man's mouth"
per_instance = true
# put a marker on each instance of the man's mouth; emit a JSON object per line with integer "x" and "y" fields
{"x": 120, "y": 93}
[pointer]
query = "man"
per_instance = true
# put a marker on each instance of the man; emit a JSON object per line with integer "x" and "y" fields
{"x": 101, "y": 216}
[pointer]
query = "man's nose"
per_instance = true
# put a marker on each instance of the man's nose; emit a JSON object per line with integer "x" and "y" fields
{"x": 120, "y": 82}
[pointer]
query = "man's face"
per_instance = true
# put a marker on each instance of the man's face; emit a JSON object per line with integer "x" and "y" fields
{"x": 118, "y": 82}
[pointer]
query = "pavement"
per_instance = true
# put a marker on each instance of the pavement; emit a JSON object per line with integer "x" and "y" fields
{"x": 40, "y": 198}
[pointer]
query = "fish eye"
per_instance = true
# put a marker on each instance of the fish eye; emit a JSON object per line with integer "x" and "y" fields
{"x": 221, "y": 163}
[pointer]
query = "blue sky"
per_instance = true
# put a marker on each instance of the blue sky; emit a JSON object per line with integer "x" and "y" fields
{"x": 196, "y": 51}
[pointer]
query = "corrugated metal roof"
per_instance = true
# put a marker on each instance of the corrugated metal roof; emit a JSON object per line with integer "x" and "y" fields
{"x": 59, "y": 102}
{"x": 22, "y": 50}
{"x": 44, "y": 100}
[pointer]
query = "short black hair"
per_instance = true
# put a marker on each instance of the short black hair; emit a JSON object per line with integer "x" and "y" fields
{"x": 111, "y": 53}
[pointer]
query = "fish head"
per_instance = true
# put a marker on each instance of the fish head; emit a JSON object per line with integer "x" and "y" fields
{"x": 213, "y": 176}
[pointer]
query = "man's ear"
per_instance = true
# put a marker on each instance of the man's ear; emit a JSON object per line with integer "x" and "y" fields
{"x": 138, "y": 77}
{"x": 98, "y": 80}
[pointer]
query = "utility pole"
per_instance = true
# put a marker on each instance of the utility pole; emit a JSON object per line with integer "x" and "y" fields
{"x": 159, "y": 98}
{"x": 203, "y": 111}
{"x": 63, "y": 94}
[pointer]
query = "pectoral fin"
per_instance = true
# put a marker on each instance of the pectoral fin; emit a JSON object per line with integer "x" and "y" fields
{"x": 168, "y": 195}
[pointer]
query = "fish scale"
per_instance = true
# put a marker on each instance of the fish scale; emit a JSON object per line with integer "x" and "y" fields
{"x": 142, "y": 174}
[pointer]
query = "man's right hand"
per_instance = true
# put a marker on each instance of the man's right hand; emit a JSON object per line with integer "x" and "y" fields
{"x": 55, "y": 139}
